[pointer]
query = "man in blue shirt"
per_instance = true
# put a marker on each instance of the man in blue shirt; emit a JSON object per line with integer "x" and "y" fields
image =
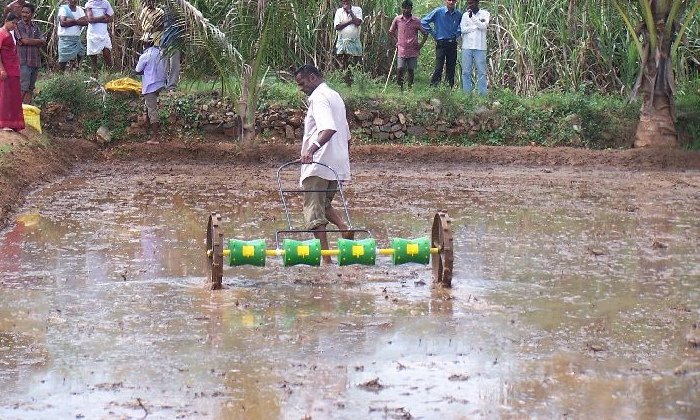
{"x": 445, "y": 20}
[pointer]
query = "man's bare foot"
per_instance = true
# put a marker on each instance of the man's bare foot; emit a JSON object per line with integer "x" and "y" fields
{"x": 152, "y": 141}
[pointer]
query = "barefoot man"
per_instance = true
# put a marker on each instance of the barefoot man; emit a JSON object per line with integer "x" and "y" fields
{"x": 326, "y": 140}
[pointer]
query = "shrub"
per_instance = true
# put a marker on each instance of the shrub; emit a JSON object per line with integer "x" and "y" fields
{"x": 71, "y": 90}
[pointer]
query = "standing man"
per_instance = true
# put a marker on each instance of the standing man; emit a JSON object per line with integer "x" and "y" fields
{"x": 326, "y": 140}
{"x": 11, "y": 114}
{"x": 172, "y": 43}
{"x": 30, "y": 39}
{"x": 404, "y": 31}
{"x": 473, "y": 27}
{"x": 99, "y": 14}
{"x": 446, "y": 21}
{"x": 347, "y": 22}
{"x": 72, "y": 20}
{"x": 152, "y": 66}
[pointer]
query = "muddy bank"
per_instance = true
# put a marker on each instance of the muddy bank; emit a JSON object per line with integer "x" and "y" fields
{"x": 29, "y": 159}
{"x": 222, "y": 152}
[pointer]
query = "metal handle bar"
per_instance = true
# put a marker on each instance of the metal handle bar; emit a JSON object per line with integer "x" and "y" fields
{"x": 283, "y": 191}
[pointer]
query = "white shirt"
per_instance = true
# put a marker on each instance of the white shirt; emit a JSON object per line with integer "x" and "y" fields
{"x": 350, "y": 31}
{"x": 101, "y": 28}
{"x": 327, "y": 112}
{"x": 152, "y": 64}
{"x": 71, "y": 30}
{"x": 474, "y": 30}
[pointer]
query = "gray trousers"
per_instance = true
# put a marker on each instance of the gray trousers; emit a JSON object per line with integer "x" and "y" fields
{"x": 172, "y": 69}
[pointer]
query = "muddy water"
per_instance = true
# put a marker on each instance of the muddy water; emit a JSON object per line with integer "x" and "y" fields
{"x": 573, "y": 293}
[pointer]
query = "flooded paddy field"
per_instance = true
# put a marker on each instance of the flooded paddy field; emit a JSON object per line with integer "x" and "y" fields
{"x": 574, "y": 295}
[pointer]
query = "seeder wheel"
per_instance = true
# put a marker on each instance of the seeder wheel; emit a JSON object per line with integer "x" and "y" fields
{"x": 442, "y": 239}
{"x": 215, "y": 251}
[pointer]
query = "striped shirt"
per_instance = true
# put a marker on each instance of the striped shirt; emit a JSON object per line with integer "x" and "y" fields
{"x": 29, "y": 55}
{"x": 151, "y": 20}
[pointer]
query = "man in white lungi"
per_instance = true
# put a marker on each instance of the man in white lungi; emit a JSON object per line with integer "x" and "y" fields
{"x": 99, "y": 14}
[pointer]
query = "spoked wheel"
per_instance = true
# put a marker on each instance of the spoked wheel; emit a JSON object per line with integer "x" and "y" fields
{"x": 442, "y": 240}
{"x": 215, "y": 251}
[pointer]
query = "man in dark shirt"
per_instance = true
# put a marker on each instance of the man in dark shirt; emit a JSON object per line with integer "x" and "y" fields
{"x": 30, "y": 39}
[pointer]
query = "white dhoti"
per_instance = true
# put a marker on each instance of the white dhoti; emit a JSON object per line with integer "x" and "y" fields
{"x": 97, "y": 43}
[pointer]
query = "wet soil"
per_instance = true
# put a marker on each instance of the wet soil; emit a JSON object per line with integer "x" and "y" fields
{"x": 29, "y": 159}
{"x": 35, "y": 158}
{"x": 576, "y": 280}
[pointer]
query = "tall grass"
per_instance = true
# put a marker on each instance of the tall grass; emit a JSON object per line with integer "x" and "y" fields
{"x": 560, "y": 45}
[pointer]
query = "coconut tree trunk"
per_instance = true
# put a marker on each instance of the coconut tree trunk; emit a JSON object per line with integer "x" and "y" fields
{"x": 657, "y": 38}
{"x": 657, "y": 126}
{"x": 246, "y": 109}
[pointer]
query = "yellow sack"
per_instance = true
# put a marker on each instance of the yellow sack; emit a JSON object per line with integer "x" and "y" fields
{"x": 125, "y": 84}
{"x": 32, "y": 116}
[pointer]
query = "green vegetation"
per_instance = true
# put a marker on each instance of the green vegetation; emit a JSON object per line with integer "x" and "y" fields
{"x": 84, "y": 98}
{"x": 557, "y": 45}
{"x": 547, "y": 61}
{"x": 577, "y": 119}
{"x": 688, "y": 114}
{"x": 69, "y": 89}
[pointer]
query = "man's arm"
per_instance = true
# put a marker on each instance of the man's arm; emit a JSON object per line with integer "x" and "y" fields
{"x": 109, "y": 14}
{"x": 354, "y": 20}
{"x": 323, "y": 138}
{"x": 425, "y": 38}
{"x": 64, "y": 20}
{"x": 466, "y": 25}
{"x": 141, "y": 65}
{"x": 393, "y": 30}
{"x": 36, "y": 42}
{"x": 98, "y": 19}
{"x": 482, "y": 22}
{"x": 90, "y": 17}
{"x": 67, "y": 22}
{"x": 427, "y": 20}
{"x": 356, "y": 16}
{"x": 24, "y": 36}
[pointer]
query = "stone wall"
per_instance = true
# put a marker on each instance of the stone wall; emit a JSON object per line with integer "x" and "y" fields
{"x": 382, "y": 125}
{"x": 217, "y": 116}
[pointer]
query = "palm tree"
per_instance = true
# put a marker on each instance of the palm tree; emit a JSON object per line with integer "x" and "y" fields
{"x": 256, "y": 25}
{"x": 252, "y": 36}
{"x": 657, "y": 37}
{"x": 255, "y": 37}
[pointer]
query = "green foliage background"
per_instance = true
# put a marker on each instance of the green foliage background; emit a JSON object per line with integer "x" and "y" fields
{"x": 562, "y": 45}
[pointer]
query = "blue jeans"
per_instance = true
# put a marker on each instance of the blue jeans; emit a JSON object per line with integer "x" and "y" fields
{"x": 478, "y": 58}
